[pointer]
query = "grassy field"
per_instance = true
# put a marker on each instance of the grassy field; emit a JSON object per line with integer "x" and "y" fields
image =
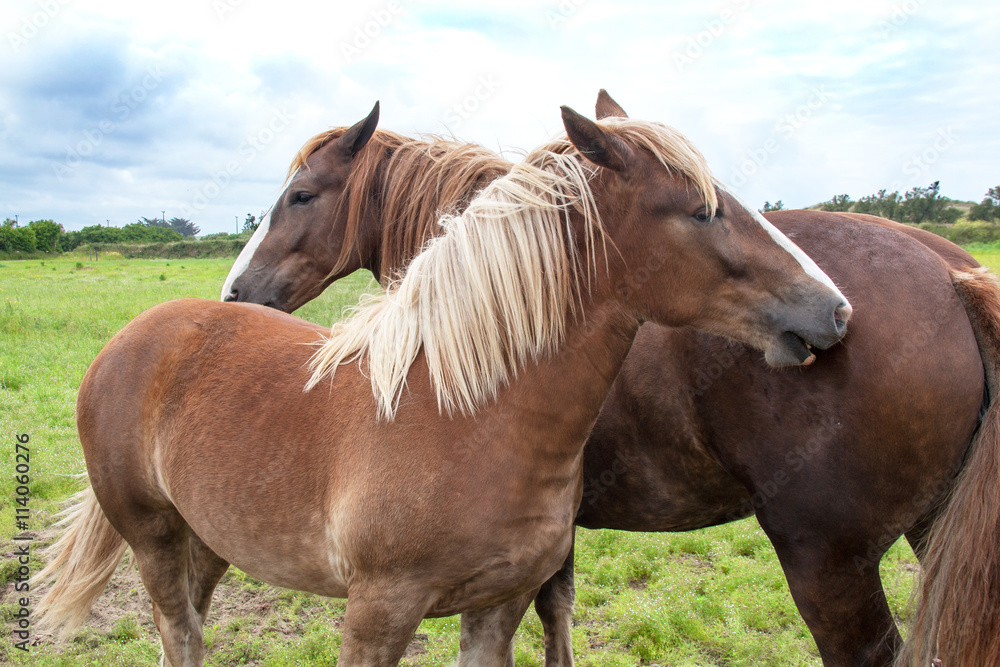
{"x": 709, "y": 597}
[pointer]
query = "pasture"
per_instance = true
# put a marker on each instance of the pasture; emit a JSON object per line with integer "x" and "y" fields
{"x": 709, "y": 597}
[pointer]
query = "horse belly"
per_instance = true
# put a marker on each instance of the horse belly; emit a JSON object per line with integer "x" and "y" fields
{"x": 289, "y": 549}
{"x": 647, "y": 464}
{"x": 197, "y": 408}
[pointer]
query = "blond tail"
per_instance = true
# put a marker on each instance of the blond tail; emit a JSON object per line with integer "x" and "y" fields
{"x": 957, "y": 619}
{"x": 85, "y": 557}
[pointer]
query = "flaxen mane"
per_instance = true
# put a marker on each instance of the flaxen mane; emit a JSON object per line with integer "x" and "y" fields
{"x": 407, "y": 184}
{"x": 497, "y": 289}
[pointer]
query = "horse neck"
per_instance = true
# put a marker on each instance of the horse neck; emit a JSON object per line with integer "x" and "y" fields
{"x": 558, "y": 398}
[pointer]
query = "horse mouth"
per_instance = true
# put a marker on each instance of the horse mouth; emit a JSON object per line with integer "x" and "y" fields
{"x": 792, "y": 350}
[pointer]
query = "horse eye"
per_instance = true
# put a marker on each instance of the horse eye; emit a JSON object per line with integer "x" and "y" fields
{"x": 704, "y": 216}
{"x": 302, "y": 198}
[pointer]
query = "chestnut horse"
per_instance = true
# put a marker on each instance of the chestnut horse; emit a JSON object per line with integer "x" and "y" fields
{"x": 502, "y": 340}
{"x": 697, "y": 431}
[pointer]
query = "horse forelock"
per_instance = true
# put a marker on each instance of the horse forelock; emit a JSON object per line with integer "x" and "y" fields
{"x": 311, "y": 146}
{"x": 495, "y": 290}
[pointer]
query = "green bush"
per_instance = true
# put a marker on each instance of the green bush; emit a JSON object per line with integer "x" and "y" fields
{"x": 985, "y": 210}
{"x": 69, "y": 241}
{"x": 47, "y": 234}
{"x": 177, "y": 250}
{"x": 99, "y": 234}
{"x": 965, "y": 232}
{"x": 224, "y": 236}
{"x": 136, "y": 234}
{"x": 838, "y": 203}
{"x": 17, "y": 239}
{"x": 140, "y": 233}
{"x": 949, "y": 215}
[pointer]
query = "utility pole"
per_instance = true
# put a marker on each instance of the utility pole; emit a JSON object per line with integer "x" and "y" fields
{"x": 237, "y": 223}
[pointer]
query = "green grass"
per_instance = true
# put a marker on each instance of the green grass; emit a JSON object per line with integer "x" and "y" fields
{"x": 710, "y": 597}
{"x": 988, "y": 254}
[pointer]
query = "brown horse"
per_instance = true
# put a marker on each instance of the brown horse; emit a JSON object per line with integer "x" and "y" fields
{"x": 502, "y": 339}
{"x": 836, "y": 465}
{"x": 388, "y": 199}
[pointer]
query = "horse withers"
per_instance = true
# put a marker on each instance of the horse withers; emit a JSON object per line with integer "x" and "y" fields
{"x": 501, "y": 340}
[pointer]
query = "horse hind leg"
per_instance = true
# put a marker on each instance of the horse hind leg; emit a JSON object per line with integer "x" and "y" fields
{"x": 163, "y": 554}
{"x": 488, "y": 634}
{"x": 379, "y": 622}
{"x": 205, "y": 570}
{"x": 836, "y": 586}
{"x": 554, "y": 606}
{"x": 917, "y": 534}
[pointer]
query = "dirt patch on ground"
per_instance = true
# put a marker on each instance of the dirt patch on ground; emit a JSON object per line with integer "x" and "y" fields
{"x": 693, "y": 562}
{"x": 239, "y": 604}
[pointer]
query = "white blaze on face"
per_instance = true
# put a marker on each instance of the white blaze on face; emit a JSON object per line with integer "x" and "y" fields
{"x": 243, "y": 261}
{"x": 804, "y": 260}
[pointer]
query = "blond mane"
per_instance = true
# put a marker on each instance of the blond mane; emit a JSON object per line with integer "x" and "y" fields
{"x": 405, "y": 184}
{"x": 498, "y": 287}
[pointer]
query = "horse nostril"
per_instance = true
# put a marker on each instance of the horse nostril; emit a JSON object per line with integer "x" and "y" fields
{"x": 840, "y": 316}
{"x": 232, "y": 296}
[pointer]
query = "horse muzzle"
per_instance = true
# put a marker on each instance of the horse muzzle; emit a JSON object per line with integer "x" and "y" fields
{"x": 820, "y": 328}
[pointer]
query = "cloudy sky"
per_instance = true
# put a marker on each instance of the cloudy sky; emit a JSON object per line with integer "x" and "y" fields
{"x": 114, "y": 110}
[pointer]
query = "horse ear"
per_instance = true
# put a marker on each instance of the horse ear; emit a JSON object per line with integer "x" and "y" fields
{"x": 598, "y": 146}
{"x": 355, "y": 138}
{"x": 607, "y": 107}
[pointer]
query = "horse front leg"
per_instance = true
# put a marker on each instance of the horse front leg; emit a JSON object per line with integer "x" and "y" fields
{"x": 488, "y": 634}
{"x": 554, "y": 606}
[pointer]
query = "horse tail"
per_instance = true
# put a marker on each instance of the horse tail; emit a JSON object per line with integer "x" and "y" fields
{"x": 957, "y": 617}
{"x": 86, "y": 556}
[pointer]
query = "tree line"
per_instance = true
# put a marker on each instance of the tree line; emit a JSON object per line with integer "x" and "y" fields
{"x": 917, "y": 205}
{"x": 49, "y": 236}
